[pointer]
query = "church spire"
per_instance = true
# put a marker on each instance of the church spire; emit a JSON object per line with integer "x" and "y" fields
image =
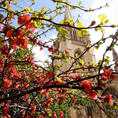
{"x": 67, "y": 14}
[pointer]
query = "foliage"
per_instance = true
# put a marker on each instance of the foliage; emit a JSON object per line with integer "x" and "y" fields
{"x": 30, "y": 90}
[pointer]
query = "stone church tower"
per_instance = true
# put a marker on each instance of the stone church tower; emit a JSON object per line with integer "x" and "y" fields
{"x": 75, "y": 44}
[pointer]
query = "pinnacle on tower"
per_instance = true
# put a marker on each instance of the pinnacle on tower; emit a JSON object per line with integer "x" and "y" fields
{"x": 115, "y": 55}
{"x": 67, "y": 14}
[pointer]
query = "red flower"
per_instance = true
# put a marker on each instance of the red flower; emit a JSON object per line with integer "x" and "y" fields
{"x": 51, "y": 49}
{"x": 61, "y": 114}
{"x": 23, "y": 112}
{"x": 63, "y": 97}
{"x": 89, "y": 116}
{"x": 107, "y": 72}
{"x": 6, "y": 109}
{"x": 54, "y": 115}
{"x": 7, "y": 83}
{"x": 74, "y": 100}
{"x": 109, "y": 98}
{"x": 33, "y": 108}
{"x": 76, "y": 76}
{"x": 47, "y": 106}
{"x": 57, "y": 101}
{"x": 114, "y": 75}
{"x": 24, "y": 19}
{"x": 17, "y": 85}
{"x": 8, "y": 116}
{"x": 20, "y": 20}
{"x": 67, "y": 52}
{"x": 93, "y": 96}
{"x": 51, "y": 82}
{"x": 87, "y": 85}
{"x": 9, "y": 33}
{"x": 39, "y": 42}
{"x": 26, "y": 96}
{"x": 105, "y": 78}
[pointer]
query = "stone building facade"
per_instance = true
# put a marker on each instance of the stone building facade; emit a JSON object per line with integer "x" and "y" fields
{"x": 75, "y": 44}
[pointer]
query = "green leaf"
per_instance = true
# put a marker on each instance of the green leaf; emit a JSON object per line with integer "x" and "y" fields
{"x": 106, "y": 21}
{"x": 62, "y": 31}
{"x": 90, "y": 9}
{"x": 80, "y": 2}
{"x": 56, "y": 11}
{"x": 80, "y": 24}
{"x": 102, "y": 18}
{"x": 97, "y": 28}
{"x": 42, "y": 9}
{"x": 0, "y": 41}
{"x": 102, "y": 30}
{"x": 59, "y": 79}
{"x": 82, "y": 32}
{"x": 32, "y": 1}
{"x": 1, "y": 16}
{"x": 81, "y": 61}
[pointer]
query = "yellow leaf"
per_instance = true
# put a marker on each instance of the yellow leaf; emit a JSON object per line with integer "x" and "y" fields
{"x": 58, "y": 79}
{"x": 81, "y": 32}
{"x": 80, "y": 2}
{"x": 0, "y": 42}
{"x": 80, "y": 24}
{"x": 102, "y": 18}
{"x": 42, "y": 9}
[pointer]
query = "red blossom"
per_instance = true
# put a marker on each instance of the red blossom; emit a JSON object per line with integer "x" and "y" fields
{"x": 6, "y": 108}
{"x": 57, "y": 101}
{"x": 62, "y": 97}
{"x": 26, "y": 96}
{"x": 104, "y": 77}
{"x": 74, "y": 100}
{"x": 17, "y": 85}
{"x": 33, "y": 108}
{"x": 47, "y": 106}
{"x": 109, "y": 98}
{"x": 39, "y": 42}
{"x": 87, "y": 85}
{"x": 9, "y": 33}
{"x": 67, "y": 52}
{"x": 51, "y": 82}
{"x": 7, "y": 83}
{"x": 54, "y": 115}
{"x": 114, "y": 75}
{"x": 51, "y": 49}
{"x": 107, "y": 72}
{"x": 63, "y": 91}
{"x": 7, "y": 116}
{"x": 93, "y": 96}
{"x": 24, "y": 19}
{"x": 61, "y": 114}
{"x": 23, "y": 112}
{"x": 76, "y": 76}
